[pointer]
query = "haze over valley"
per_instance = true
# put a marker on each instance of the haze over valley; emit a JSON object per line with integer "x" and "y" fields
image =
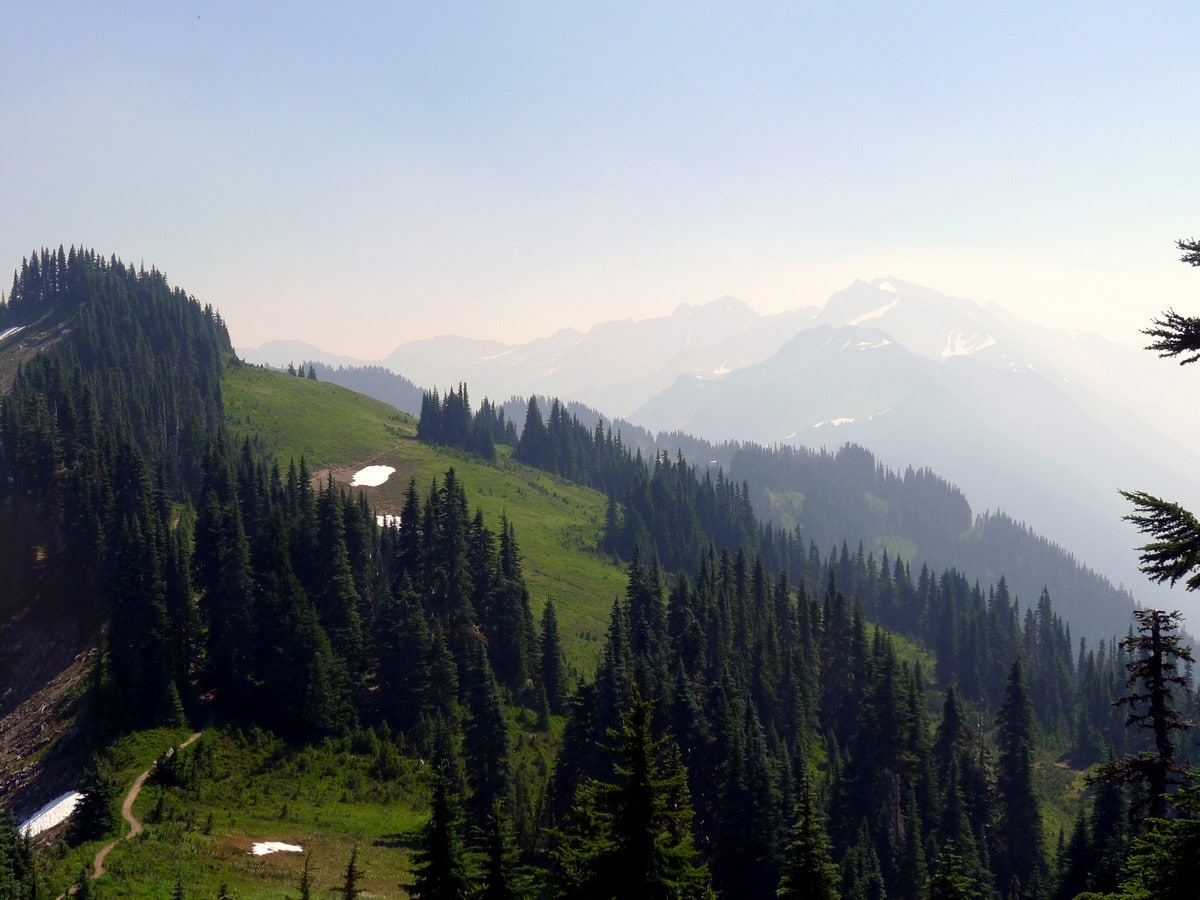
{"x": 542, "y": 450}
{"x": 1044, "y": 425}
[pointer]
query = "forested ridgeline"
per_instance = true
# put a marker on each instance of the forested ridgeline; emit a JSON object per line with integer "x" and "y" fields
{"x": 103, "y": 431}
{"x": 760, "y": 717}
{"x": 775, "y": 502}
{"x": 766, "y": 688}
{"x": 847, "y": 494}
{"x": 374, "y": 381}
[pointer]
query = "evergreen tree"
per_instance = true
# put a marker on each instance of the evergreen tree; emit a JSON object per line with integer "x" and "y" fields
{"x": 1020, "y": 862}
{"x": 403, "y": 646}
{"x": 306, "y": 879}
{"x": 486, "y": 742}
{"x": 808, "y": 870}
{"x": 554, "y": 662}
{"x": 949, "y": 880}
{"x": 862, "y": 877}
{"x": 349, "y": 889}
{"x": 1108, "y": 828}
{"x": 633, "y": 837}
{"x": 96, "y": 814}
{"x": 18, "y": 872}
{"x": 1165, "y": 862}
{"x": 440, "y": 861}
{"x": 749, "y": 808}
{"x": 1174, "y": 554}
{"x": 1153, "y": 669}
{"x": 534, "y": 446}
{"x": 504, "y": 612}
{"x": 333, "y": 589}
{"x": 1076, "y": 863}
{"x": 501, "y": 879}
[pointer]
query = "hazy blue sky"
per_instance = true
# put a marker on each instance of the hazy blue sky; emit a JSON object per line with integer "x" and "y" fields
{"x": 359, "y": 177}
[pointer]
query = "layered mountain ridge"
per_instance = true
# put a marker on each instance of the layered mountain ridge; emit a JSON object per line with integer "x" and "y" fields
{"x": 1043, "y": 424}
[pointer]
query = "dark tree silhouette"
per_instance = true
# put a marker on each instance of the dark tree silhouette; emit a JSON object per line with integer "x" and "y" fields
{"x": 1174, "y": 554}
{"x": 1155, "y": 650}
{"x": 440, "y": 863}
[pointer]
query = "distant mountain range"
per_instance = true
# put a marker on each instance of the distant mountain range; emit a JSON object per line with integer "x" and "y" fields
{"x": 1045, "y": 425}
{"x": 613, "y": 367}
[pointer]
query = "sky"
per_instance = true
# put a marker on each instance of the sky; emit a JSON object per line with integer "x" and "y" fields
{"x": 362, "y": 176}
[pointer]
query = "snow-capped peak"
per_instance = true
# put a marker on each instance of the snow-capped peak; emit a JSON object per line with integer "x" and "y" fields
{"x": 874, "y": 313}
{"x": 959, "y": 343}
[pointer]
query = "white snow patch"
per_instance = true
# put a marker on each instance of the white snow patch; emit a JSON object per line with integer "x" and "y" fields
{"x": 387, "y": 520}
{"x": 835, "y": 422}
{"x": 873, "y": 345}
{"x": 788, "y": 437}
{"x": 886, "y": 286}
{"x": 262, "y": 848}
{"x": 960, "y": 344}
{"x": 722, "y": 369}
{"x": 371, "y": 476}
{"x": 500, "y": 355}
{"x": 873, "y": 314}
{"x": 53, "y": 813}
{"x": 9, "y": 332}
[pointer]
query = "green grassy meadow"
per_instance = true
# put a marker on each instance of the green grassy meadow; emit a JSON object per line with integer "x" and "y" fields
{"x": 232, "y": 789}
{"x": 237, "y": 789}
{"x": 241, "y": 788}
{"x": 557, "y": 524}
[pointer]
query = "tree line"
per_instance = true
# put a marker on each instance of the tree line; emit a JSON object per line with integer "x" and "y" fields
{"x": 764, "y": 714}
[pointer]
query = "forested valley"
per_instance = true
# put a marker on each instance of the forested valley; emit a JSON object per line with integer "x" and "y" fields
{"x": 774, "y": 709}
{"x": 829, "y": 496}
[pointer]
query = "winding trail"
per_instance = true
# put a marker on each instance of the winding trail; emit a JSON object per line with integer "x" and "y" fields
{"x": 135, "y": 825}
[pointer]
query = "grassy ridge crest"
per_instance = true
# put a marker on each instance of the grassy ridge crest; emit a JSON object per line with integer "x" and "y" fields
{"x": 338, "y": 432}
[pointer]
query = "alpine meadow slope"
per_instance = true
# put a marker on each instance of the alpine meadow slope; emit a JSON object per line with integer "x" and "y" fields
{"x": 338, "y": 432}
{"x": 1044, "y": 426}
{"x": 729, "y": 704}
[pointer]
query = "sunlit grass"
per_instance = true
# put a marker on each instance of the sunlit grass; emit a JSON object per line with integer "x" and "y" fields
{"x": 250, "y": 788}
{"x": 557, "y": 524}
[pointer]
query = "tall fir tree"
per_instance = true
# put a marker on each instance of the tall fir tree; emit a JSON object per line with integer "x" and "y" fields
{"x": 486, "y": 743}
{"x": 632, "y": 837}
{"x": 1020, "y": 858}
{"x": 1154, "y": 650}
{"x": 808, "y": 869}
{"x": 553, "y": 669}
{"x": 440, "y": 867}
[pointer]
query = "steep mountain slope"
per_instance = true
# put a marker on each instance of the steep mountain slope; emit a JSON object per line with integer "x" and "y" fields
{"x": 340, "y": 432}
{"x": 237, "y": 587}
{"x": 848, "y": 496}
{"x": 116, "y": 387}
{"x": 970, "y": 402}
{"x": 1043, "y": 425}
{"x": 1115, "y": 382}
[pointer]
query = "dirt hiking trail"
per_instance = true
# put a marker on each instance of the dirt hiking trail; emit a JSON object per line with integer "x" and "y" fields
{"x": 135, "y": 826}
